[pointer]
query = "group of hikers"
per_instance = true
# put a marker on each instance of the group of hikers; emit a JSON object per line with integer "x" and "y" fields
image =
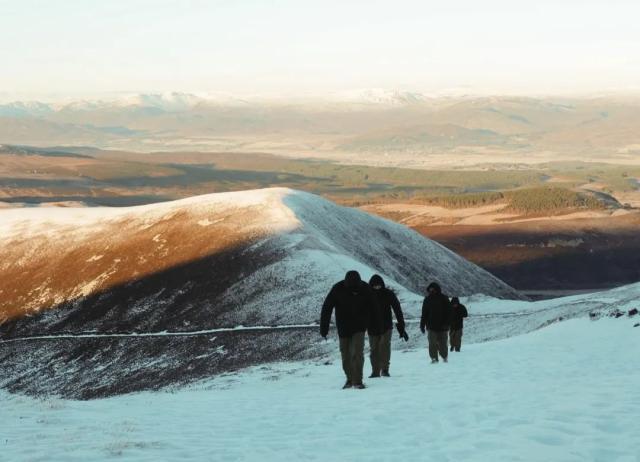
{"x": 366, "y": 307}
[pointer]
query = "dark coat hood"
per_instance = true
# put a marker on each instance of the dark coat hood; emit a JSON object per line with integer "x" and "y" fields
{"x": 435, "y": 286}
{"x": 352, "y": 279}
{"x": 376, "y": 280}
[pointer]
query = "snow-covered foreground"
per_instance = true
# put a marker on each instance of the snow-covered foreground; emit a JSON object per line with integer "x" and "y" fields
{"x": 566, "y": 392}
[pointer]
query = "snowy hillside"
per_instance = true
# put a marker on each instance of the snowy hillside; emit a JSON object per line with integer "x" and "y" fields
{"x": 96, "y": 364}
{"x": 566, "y": 392}
{"x": 257, "y": 257}
{"x": 105, "y": 301}
{"x": 233, "y": 265}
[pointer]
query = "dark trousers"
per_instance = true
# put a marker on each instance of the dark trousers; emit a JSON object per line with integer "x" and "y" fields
{"x": 380, "y": 354}
{"x": 455, "y": 338}
{"x": 438, "y": 344}
{"x": 352, "y": 352}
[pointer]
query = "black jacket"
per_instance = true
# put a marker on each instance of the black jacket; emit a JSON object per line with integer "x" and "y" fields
{"x": 458, "y": 312}
{"x": 353, "y": 303}
{"x": 385, "y": 301}
{"x": 436, "y": 311}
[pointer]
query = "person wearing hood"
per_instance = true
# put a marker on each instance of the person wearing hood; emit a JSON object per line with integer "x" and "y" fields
{"x": 381, "y": 326}
{"x": 458, "y": 313}
{"x": 436, "y": 319}
{"x": 353, "y": 301}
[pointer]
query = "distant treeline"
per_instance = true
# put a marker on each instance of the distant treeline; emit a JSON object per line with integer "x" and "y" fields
{"x": 458, "y": 201}
{"x": 528, "y": 201}
{"x": 539, "y": 200}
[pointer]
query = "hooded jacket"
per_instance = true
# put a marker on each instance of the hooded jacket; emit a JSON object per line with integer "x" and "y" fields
{"x": 353, "y": 302}
{"x": 385, "y": 301}
{"x": 458, "y": 313}
{"x": 436, "y": 310}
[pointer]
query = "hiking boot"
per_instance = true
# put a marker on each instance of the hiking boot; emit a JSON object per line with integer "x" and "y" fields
{"x": 359, "y": 386}
{"x": 385, "y": 374}
{"x": 347, "y": 384}
{"x": 451, "y": 349}
{"x": 446, "y": 360}
{"x": 374, "y": 375}
{"x": 434, "y": 361}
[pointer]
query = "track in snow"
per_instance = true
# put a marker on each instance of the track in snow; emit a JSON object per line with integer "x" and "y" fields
{"x": 157, "y": 334}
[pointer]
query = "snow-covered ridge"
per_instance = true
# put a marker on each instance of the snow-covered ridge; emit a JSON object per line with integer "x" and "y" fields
{"x": 183, "y": 101}
{"x": 166, "y": 101}
{"x": 380, "y": 96}
{"x": 15, "y": 219}
{"x": 311, "y": 243}
{"x": 285, "y": 249}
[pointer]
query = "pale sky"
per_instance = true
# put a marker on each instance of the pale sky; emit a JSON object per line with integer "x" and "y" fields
{"x": 293, "y": 47}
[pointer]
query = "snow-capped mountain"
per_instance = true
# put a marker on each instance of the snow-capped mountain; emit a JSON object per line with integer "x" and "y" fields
{"x": 26, "y": 109}
{"x": 172, "y": 101}
{"x": 166, "y": 102}
{"x": 184, "y": 101}
{"x": 381, "y": 96}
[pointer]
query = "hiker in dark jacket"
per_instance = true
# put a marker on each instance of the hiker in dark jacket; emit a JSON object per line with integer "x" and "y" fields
{"x": 458, "y": 313}
{"x": 436, "y": 319}
{"x": 381, "y": 326}
{"x": 353, "y": 302}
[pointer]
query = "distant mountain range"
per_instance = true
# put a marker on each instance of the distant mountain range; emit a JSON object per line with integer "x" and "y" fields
{"x": 170, "y": 102}
{"x": 371, "y": 122}
{"x": 180, "y": 101}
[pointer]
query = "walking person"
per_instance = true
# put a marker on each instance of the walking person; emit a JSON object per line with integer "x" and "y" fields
{"x": 381, "y": 326}
{"x": 353, "y": 301}
{"x": 458, "y": 313}
{"x": 436, "y": 319}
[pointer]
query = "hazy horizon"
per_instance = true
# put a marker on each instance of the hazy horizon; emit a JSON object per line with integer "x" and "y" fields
{"x": 62, "y": 98}
{"x": 285, "y": 48}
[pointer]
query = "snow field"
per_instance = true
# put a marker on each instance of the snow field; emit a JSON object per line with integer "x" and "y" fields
{"x": 568, "y": 392}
